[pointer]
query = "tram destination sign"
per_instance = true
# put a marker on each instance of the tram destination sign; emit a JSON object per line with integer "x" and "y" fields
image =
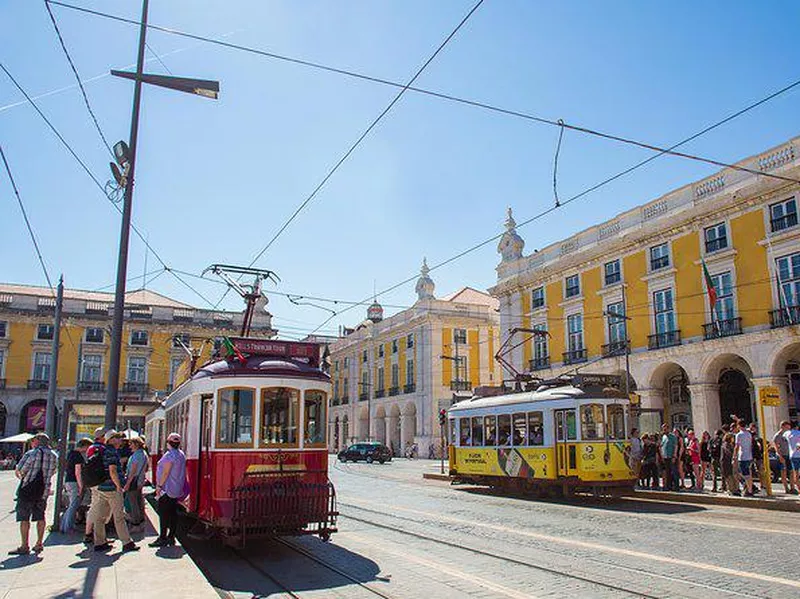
{"x": 308, "y": 352}
{"x": 597, "y": 381}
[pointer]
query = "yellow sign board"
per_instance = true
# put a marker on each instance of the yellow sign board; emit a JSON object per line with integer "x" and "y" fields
{"x": 635, "y": 398}
{"x": 769, "y": 396}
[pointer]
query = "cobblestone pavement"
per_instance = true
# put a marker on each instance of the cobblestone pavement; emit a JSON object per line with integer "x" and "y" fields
{"x": 405, "y": 537}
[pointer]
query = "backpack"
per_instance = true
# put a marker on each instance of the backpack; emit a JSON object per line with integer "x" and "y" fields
{"x": 94, "y": 471}
{"x": 34, "y": 489}
{"x": 715, "y": 448}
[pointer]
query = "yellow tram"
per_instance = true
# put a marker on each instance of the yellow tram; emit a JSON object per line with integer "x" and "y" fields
{"x": 569, "y": 435}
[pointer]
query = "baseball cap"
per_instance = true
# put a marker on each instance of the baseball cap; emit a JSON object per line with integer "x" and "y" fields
{"x": 99, "y": 432}
{"x": 174, "y": 437}
{"x": 112, "y": 434}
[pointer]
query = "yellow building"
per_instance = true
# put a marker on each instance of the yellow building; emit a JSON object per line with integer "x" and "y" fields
{"x": 638, "y": 281}
{"x": 392, "y": 376}
{"x": 151, "y": 354}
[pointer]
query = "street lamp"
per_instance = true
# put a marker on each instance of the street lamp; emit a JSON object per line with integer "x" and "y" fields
{"x": 126, "y": 158}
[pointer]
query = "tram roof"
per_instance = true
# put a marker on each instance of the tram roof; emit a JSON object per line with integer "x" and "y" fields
{"x": 260, "y": 366}
{"x": 541, "y": 394}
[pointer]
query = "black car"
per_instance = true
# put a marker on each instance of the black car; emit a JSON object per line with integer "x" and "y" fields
{"x": 367, "y": 451}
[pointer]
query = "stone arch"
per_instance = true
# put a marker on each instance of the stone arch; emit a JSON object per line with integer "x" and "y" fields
{"x": 670, "y": 383}
{"x": 380, "y": 424}
{"x": 363, "y": 424}
{"x": 408, "y": 424}
{"x": 393, "y": 432}
{"x": 784, "y": 365}
{"x": 730, "y": 377}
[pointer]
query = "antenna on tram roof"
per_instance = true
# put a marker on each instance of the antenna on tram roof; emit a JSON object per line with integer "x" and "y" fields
{"x": 250, "y": 293}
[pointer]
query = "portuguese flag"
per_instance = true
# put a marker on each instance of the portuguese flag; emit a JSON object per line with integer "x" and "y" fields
{"x": 712, "y": 291}
{"x": 233, "y": 350}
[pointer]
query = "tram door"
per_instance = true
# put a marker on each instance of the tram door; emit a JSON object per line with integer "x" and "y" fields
{"x": 204, "y": 453}
{"x": 566, "y": 442}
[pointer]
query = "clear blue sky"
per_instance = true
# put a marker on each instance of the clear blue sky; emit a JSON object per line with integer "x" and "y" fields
{"x": 217, "y": 179}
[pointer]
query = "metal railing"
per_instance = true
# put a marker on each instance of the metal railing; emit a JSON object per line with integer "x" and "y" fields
{"x": 38, "y": 384}
{"x": 410, "y": 388}
{"x": 785, "y": 317}
{"x": 363, "y": 396}
{"x": 666, "y": 339}
{"x": 575, "y": 356}
{"x": 783, "y": 222}
{"x": 539, "y": 363}
{"x": 722, "y": 328}
{"x": 131, "y": 387}
{"x": 92, "y": 386}
{"x": 379, "y": 393}
{"x": 394, "y": 391}
{"x": 460, "y": 385}
{"x": 615, "y": 348}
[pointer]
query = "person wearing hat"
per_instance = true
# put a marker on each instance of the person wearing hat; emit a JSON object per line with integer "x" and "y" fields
{"x": 35, "y": 469}
{"x": 170, "y": 489}
{"x": 107, "y": 497}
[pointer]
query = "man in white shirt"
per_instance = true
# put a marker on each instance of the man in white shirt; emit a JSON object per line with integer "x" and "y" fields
{"x": 744, "y": 453}
{"x": 793, "y": 439}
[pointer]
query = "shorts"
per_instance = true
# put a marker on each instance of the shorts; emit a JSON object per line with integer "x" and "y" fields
{"x": 744, "y": 467}
{"x": 787, "y": 463}
{"x": 31, "y": 510}
{"x": 795, "y": 464}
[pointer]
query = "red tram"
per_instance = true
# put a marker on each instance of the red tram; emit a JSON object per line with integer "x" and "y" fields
{"x": 254, "y": 433}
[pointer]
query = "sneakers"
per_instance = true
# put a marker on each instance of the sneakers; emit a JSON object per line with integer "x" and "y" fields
{"x": 103, "y": 547}
{"x": 159, "y": 542}
{"x": 20, "y": 551}
{"x": 128, "y": 547}
{"x": 88, "y": 539}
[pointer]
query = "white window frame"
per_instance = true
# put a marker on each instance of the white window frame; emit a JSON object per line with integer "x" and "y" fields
{"x": 86, "y": 335}
{"x": 39, "y": 329}
{"x": 575, "y": 335}
{"x": 129, "y": 370}
{"x": 716, "y": 227}
{"x": 3, "y": 329}
{"x": 457, "y": 334}
{"x": 37, "y": 363}
{"x": 410, "y": 341}
{"x": 541, "y": 349}
{"x": 381, "y": 378}
{"x": 666, "y": 254}
{"x": 533, "y": 298}
{"x": 618, "y": 262}
{"x": 395, "y": 376}
{"x": 793, "y": 281}
{"x": 567, "y": 279}
{"x": 410, "y": 379}
{"x": 174, "y": 365}
{"x": 616, "y": 323}
{"x": 98, "y": 365}
{"x": 771, "y": 215}
{"x": 2, "y": 363}
{"x": 672, "y": 310}
{"x": 134, "y": 334}
{"x": 730, "y": 296}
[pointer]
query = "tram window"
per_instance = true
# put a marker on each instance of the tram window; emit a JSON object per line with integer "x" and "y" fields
{"x": 452, "y": 438}
{"x": 592, "y": 423}
{"x": 279, "y": 407}
{"x": 315, "y": 417}
{"x": 466, "y": 438}
{"x": 520, "y": 431}
{"x": 477, "y": 431}
{"x": 235, "y": 417}
{"x": 535, "y": 428}
{"x": 616, "y": 421}
{"x": 490, "y": 430}
{"x": 504, "y": 429}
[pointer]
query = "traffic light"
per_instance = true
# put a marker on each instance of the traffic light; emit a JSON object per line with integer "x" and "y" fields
{"x": 442, "y": 416}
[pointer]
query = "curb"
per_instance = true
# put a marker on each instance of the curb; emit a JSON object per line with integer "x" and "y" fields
{"x": 758, "y": 503}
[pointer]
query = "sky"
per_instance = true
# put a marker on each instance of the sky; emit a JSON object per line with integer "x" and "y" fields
{"x": 215, "y": 180}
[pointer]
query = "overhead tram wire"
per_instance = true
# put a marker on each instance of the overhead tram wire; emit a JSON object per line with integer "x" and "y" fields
{"x": 358, "y": 141}
{"x": 457, "y": 99}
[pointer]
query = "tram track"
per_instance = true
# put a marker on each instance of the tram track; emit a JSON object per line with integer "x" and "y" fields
{"x": 547, "y": 569}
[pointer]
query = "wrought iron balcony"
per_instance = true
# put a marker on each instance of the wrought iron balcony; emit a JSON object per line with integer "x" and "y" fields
{"x": 132, "y": 387}
{"x": 410, "y": 388}
{"x": 92, "y": 386}
{"x": 722, "y": 328}
{"x": 615, "y": 348}
{"x": 539, "y": 363}
{"x": 460, "y": 385}
{"x": 666, "y": 339}
{"x": 394, "y": 391}
{"x": 38, "y": 384}
{"x": 363, "y": 396}
{"x": 575, "y": 356}
{"x": 784, "y": 222}
{"x": 784, "y": 317}
{"x": 380, "y": 393}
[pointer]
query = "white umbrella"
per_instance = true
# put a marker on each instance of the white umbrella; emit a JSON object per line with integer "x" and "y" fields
{"x": 20, "y": 438}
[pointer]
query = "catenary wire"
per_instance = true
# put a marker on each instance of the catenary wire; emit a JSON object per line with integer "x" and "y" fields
{"x": 473, "y": 103}
{"x": 358, "y": 141}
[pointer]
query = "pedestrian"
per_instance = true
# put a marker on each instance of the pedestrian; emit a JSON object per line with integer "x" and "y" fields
{"x": 171, "y": 486}
{"x": 650, "y": 462}
{"x": 793, "y": 440}
{"x": 108, "y": 497}
{"x": 781, "y": 445}
{"x": 667, "y": 450}
{"x": 705, "y": 457}
{"x": 636, "y": 452}
{"x": 744, "y": 455}
{"x": 135, "y": 476}
{"x": 34, "y": 470}
{"x": 97, "y": 446}
{"x": 693, "y": 453}
{"x": 716, "y": 457}
{"x": 757, "y": 467}
{"x": 727, "y": 456}
{"x": 73, "y": 483}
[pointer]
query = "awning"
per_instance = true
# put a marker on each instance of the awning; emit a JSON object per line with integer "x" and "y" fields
{"x": 20, "y": 438}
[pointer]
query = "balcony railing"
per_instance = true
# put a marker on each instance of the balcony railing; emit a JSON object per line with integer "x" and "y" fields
{"x": 615, "y": 348}
{"x": 722, "y": 328}
{"x": 539, "y": 363}
{"x": 784, "y": 317}
{"x": 38, "y": 384}
{"x": 131, "y": 387}
{"x": 575, "y": 356}
{"x": 784, "y": 222}
{"x": 460, "y": 385}
{"x": 666, "y": 339}
{"x": 410, "y": 388}
{"x": 394, "y": 391}
{"x": 380, "y": 393}
{"x": 92, "y": 386}
{"x": 363, "y": 396}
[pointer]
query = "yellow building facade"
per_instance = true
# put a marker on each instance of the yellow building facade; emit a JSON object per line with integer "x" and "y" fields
{"x": 151, "y": 354}
{"x": 636, "y": 285}
{"x": 392, "y": 376}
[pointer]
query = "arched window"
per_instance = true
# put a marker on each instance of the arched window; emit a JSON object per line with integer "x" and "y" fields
{"x": 314, "y": 420}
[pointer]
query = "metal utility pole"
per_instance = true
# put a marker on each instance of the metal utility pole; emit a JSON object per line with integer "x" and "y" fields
{"x": 50, "y": 413}
{"x": 122, "y": 260}
{"x": 126, "y": 157}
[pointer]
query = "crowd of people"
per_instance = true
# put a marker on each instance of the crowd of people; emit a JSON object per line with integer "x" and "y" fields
{"x": 732, "y": 459}
{"x": 104, "y": 480}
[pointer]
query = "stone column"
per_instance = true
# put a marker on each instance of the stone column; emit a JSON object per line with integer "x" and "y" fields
{"x": 403, "y": 429}
{"x": 705, "y": 407}
{"x": 773, "y": 415}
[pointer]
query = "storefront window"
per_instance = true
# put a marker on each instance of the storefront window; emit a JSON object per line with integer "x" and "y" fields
{"x": 279, "y": 406}
{"x": 235, "y": 417}
{"x": 592, "y": 423}
{"x": 315, "y": 417}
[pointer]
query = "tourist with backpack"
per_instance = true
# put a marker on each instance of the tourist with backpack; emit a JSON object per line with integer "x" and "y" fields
{"x": 35, "y": 469}
{"x": 107, "y": 496}
{"x": 715, "y": 447}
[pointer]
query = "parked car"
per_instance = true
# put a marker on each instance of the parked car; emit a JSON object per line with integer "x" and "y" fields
{"x": 368, "y": 451}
